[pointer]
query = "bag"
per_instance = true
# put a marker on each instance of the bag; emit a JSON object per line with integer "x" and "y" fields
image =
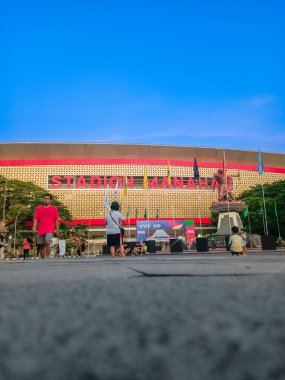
{"x": 122, "y": 230}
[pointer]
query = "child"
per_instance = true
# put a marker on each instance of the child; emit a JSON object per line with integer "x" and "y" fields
{"x": 137, "y": 249}
{"x": 236, "y": 242}
{"x": 243, "y": 236}
{"x": 26, "y": 247}
{"x": 127, "y": 250}
{"x": 144, "y": 248}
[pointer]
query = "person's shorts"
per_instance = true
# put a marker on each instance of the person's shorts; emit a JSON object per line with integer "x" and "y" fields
{"x": 42, "y": 238}
{"x": 114, "y": 240}
{"x": 236, "y": 253}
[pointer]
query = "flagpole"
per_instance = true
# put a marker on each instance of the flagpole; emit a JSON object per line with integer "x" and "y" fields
{"x": 277, "y": 220}
{"x": 106, "y": 204}
{"x": 263, "y": 221}
{"x": 171, "y": 197}
{"x": 145, "y": 185}
{"x": 173, "y": 214}
{"x": 228, "y": 205}
{"x": 116, "y": 191}
{"x": 129, "y": 225}
{"x": 261, "y": 172}
{"x": 198, "y": 198}
{"x": 129, "y": 213}
{"x": 226, "y": 178}
{"x": 249, "y": 227}
{"x": 147, "y": 210}
{"x": 265, "y": 214}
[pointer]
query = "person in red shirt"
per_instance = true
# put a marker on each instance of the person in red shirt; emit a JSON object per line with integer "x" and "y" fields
{"x": 46, "y": 221}
{"x": 26, "y": 247}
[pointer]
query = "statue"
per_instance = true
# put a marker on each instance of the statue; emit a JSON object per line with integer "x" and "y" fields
{"x": 227, "y": 206}
{"x": 224, "y": 191}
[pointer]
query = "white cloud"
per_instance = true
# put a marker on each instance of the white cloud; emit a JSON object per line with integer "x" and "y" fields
{"x": 248, "y": 121}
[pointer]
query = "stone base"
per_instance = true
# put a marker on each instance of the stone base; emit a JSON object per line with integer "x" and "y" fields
{"x": 226, "y": 221}
{"x": 228, "y": 206}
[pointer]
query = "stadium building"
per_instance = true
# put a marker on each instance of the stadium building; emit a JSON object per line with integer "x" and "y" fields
{"x": 79, "y": 173}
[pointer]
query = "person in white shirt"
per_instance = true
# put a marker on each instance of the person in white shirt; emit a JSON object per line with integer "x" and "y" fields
{"x": 114, "y": 231}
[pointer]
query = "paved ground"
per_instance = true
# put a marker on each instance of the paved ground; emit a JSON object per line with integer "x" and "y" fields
{"x": 144, "y": 318}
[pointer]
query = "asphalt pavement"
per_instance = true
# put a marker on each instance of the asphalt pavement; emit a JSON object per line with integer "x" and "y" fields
{"x": 166, "y": 317}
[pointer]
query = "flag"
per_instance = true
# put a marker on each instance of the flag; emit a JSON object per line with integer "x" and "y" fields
{"x": 245, "y": 214}
{"x": 145, "y": 213}
{"x": 125, "y": 185}
{"x": 106, "y": 198}
{"x": 116, "y": 191}
{"x": 224, "y": 165}
{"x": 157, "y": 214}
{"x": 145, "y": 180}
{"x": 136, "y": 213}
{"x": 168, "y": 175}
{"x": 196, "y": 169}
{"x": 261, "y": 210}
{"x": 260, "y": 163}
{"x": 129, "y": 211}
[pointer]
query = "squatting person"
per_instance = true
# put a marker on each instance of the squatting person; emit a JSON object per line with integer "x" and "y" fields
{"x": 236, "y": 242}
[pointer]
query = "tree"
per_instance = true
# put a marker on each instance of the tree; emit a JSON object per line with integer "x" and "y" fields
{"x": 19, "y": 194}
{"x": 73, "y": 234}
{"x": 16, "y": 195}
{"x": 274, "y": 194}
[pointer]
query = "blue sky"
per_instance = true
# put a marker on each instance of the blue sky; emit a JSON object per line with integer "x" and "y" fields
{"x": 198, "y": 73}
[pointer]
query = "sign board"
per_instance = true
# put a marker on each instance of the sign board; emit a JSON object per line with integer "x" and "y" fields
{"x": 159, "y": 229}
{"x": 93, "y": 182}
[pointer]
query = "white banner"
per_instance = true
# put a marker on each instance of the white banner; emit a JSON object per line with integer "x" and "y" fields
{"x": 62, "y": 247}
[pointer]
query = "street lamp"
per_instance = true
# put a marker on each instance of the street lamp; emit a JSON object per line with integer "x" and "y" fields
{"x": 22, "y": 208}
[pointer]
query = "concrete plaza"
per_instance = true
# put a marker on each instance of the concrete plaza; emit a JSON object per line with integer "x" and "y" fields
{"x": 166, "y": 317}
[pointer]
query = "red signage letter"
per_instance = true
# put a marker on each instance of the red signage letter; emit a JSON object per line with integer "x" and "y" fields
{"x": 81, "y": 182}
{"x": 191, "y": 183}
{"x": 98, "y": 179}
{"x": 68, "y": 179}
{"x": 203, "y": 183}
{"x": 113, "y": 182}
{"x": 164, "y": 183}
{"x": 131, "y": 182}
{"x": 178, "y": 182}
{"x": 55, "y": 182}
{"x": 153, "y": 183}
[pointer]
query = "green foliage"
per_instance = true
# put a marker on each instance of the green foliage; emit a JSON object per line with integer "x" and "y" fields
{"x": 73, "y": 234}
{"x": 21, "y": 198}
{"x": 214, "y": 218}
{"x": 20, "y": 194}
{"x": 274, "y": 193}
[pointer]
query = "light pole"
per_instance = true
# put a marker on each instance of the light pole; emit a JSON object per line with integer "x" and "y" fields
{"x": 22, "y": 208}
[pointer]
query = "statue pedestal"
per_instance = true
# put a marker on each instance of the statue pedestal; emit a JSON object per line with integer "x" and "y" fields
{"x": 228, "y": 216}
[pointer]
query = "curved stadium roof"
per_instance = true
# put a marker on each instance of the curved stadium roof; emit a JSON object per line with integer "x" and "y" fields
{"x": 42, "y": 151}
